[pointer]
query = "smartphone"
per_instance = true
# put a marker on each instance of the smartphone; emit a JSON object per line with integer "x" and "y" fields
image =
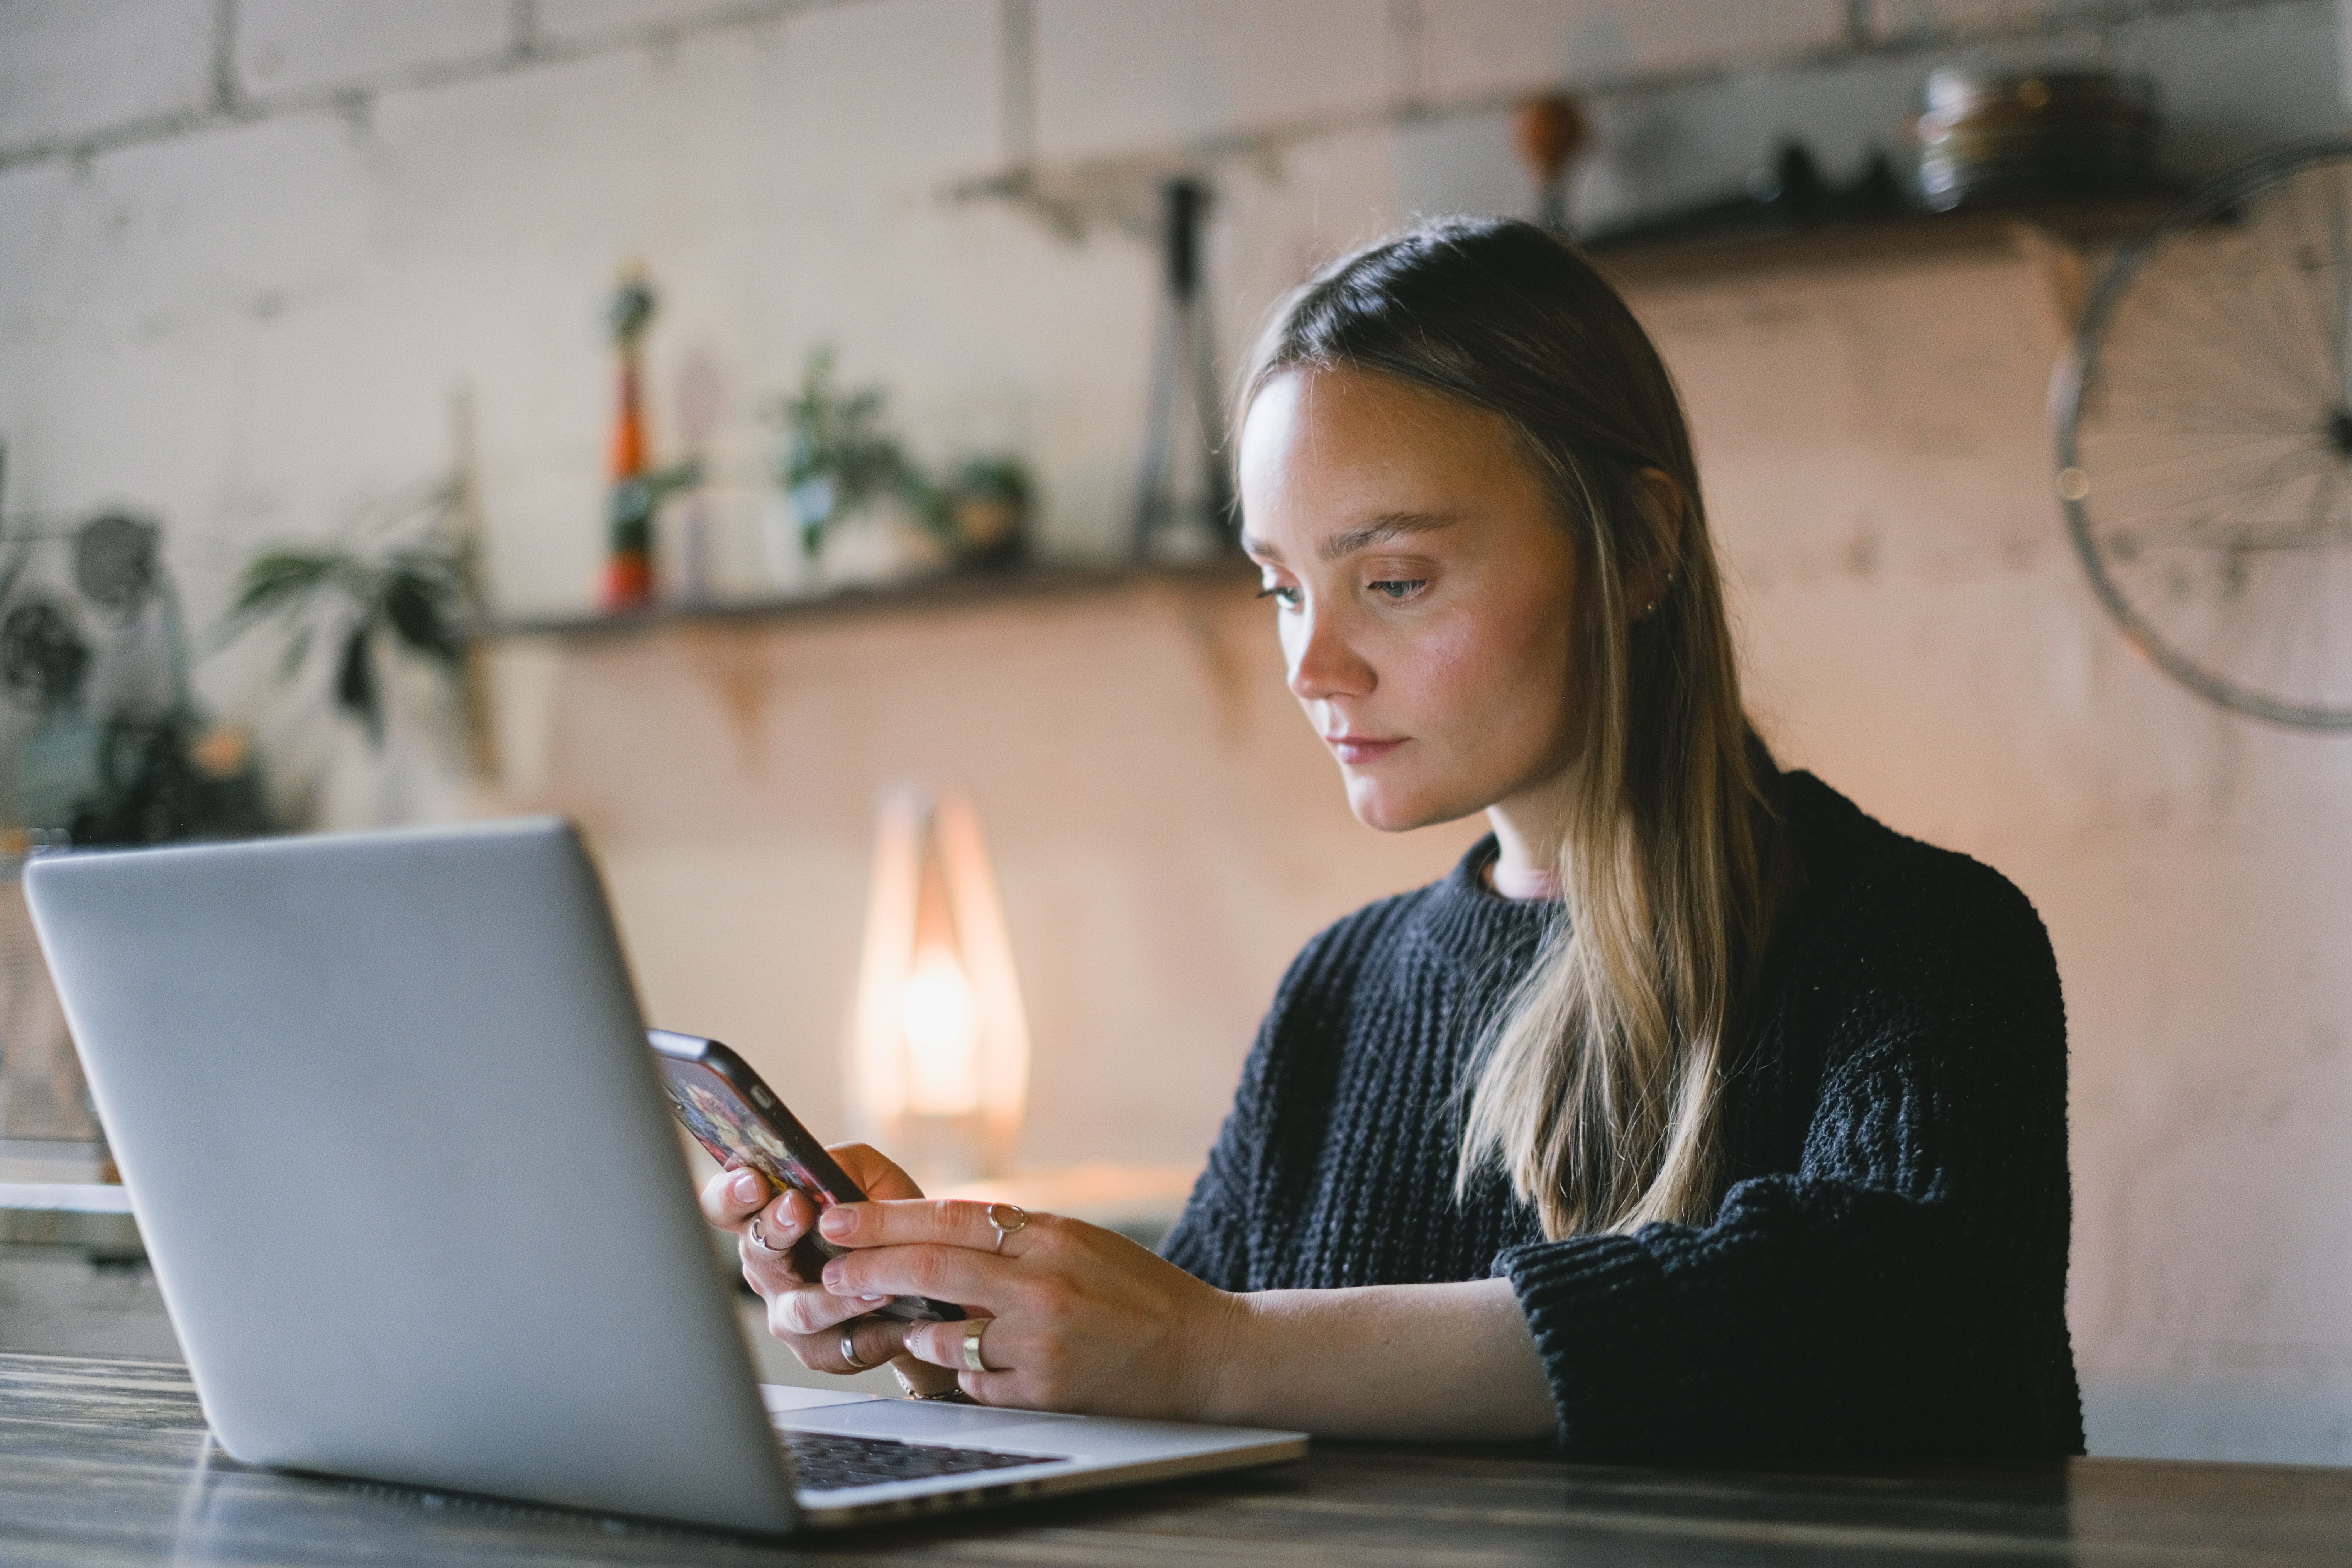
{"x": 741, "y": 1122}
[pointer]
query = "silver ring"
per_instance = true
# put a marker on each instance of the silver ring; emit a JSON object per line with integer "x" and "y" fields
{"x": 757, "y": 1239}
{"x": 849, "y": 1354}
{"x": 972, "y": 1330}
{"x": 1020, "y": 1222}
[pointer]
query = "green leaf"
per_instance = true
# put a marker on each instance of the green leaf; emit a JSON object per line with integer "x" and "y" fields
{"x": 355, "y": 689}
{"x": 996, "y": 476}
{"x": 443, "y": 563}
{"x": 681, "y": 476}
{"x": 417, "y": 607}
{"x": 282, "y": 578}
{"x": 933, "y": 504}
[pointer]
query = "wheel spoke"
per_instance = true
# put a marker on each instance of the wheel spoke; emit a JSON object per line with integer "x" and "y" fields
{"x": 2270, "y": 476}
{"x": 2211, "y": 427}
{"x": 2229, "y": 306}
{"x": 2327, "y": 288}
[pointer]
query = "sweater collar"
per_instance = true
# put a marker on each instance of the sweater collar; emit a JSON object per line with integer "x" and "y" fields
{"x": 1473, "y": 928}
{"x": 1476, "y": 930}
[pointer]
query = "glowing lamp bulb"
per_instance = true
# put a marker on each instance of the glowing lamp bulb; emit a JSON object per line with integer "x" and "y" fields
{"x": 943, "y": 1029}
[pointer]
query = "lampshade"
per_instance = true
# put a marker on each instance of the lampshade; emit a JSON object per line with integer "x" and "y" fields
{"x": 939, "y": 1049}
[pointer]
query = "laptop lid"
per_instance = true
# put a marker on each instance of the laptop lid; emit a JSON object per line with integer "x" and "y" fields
{"x": 387, "y": 1118}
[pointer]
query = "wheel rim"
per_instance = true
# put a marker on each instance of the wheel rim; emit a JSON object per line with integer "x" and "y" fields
{"x": 2204, "y": 433}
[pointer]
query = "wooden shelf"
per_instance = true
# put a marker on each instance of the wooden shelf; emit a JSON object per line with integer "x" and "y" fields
{"x": 947, "y": 591}
{"x": 2065, "y": 230}
{"x": 1875, "y": 242}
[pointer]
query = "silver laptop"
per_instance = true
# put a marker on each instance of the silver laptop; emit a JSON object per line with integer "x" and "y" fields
{"x": 416, "y": 1202}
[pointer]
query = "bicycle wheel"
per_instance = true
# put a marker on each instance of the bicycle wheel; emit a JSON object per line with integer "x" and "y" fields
{"x": 2204, "y": 435}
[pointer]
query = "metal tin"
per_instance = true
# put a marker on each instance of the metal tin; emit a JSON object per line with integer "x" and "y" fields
{"x": 1992, "y": 138}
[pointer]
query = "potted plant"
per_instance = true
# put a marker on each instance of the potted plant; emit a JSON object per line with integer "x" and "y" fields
{"x": 864, "y": 512}
{"x": 365, "y": 600}
{"x": 400, "y": 590}
{"x": 988, "y": 511}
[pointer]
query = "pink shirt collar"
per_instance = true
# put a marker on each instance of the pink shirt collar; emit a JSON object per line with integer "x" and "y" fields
{"x": 1524, "y": 886}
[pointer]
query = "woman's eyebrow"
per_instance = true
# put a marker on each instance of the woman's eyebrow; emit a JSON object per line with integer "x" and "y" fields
{"x": 1393, "y": 526}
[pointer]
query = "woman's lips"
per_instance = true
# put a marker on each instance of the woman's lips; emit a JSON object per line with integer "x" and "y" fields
{"x": 1356, "y": 750}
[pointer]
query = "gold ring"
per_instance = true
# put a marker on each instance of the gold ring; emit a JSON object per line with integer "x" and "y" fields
{"x": 952, "y": 1394}
{"x": 971, "y": 1333}
{"x": 1020, "y": 1221}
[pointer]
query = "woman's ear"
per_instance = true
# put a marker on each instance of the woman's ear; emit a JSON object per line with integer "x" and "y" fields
{"x": 1646, "y": 585}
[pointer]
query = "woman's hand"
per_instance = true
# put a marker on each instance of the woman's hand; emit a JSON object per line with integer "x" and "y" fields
{"x": 1073, "y": 1317}
{"x": 1081, "y": 1318}
{"x": 803, "y": 1314}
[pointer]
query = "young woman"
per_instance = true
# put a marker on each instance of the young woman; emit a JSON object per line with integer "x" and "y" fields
{"x": 1696, "y": 1116}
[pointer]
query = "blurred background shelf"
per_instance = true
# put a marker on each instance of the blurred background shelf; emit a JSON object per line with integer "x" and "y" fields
{"x": 946, "y": 591}
{"x": 2076, "y": 225}
{"x": 92, "y": 1215}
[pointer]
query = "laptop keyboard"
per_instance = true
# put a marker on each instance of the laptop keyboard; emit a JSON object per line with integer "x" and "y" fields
{"x": 823, "y": 1462}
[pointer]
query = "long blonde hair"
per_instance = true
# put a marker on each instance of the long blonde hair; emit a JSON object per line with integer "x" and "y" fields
{"x": 1600, "y": 1084}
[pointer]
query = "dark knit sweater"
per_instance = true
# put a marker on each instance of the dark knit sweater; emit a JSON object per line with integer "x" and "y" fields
{"x": 1884, "y": 1277}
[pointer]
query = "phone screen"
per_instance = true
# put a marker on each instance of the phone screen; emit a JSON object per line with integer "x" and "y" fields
{"x": 735, "y": 1134}
{"x": 738, "y": 1121}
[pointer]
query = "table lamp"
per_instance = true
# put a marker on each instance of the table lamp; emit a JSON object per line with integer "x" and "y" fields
{"x": 939, "y": 1049}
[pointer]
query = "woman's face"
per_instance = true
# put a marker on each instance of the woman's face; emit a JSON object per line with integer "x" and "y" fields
{"x": 1423, "y": 582}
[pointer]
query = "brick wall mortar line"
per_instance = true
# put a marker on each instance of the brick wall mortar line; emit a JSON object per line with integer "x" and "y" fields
{"x": 232, "y": 107}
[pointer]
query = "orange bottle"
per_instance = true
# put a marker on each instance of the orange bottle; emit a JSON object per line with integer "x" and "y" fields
{"x": 629, "y": 566}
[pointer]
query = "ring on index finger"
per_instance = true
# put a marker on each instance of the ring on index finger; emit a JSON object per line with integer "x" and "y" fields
{"x": 761, "y": 1241}
{"x": 1004, "y": 1219}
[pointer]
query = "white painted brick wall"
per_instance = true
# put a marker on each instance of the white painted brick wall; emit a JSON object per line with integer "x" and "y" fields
{"x": 1898, "y": 19}
{"x": 900, "y": 96}
{"x": 289, "y": 45}
{"x": 71, "y": 67}
{"x": 1476, "y": 48}
{"x": 1117, "y": 75}
{"x": 576, "y": 21}
{"x": 2232, "y": 83}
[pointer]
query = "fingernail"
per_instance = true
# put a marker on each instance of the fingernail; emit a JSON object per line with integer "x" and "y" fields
{"x": 747, "y": 1187}
{"x": 870, "y": 1300}
{"x": 836, "y": 1222}
{"x": 832, "y": 1275}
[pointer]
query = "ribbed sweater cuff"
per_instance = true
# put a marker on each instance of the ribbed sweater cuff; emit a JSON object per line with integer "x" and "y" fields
{"x": 1598, "y": 1306}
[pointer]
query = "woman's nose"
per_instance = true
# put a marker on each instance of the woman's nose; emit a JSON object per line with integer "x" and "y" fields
{"x": 1323, "y": 664}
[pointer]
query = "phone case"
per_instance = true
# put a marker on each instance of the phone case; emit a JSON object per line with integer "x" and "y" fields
{"x": 740, "y": 1120}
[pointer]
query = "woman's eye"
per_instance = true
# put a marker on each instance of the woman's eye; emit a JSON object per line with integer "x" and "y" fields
{"x": 1285, "y": 597}
{"x": 1399, "y": 589}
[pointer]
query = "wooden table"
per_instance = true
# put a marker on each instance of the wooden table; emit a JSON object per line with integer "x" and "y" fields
{"x": 107, "y": 1462}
